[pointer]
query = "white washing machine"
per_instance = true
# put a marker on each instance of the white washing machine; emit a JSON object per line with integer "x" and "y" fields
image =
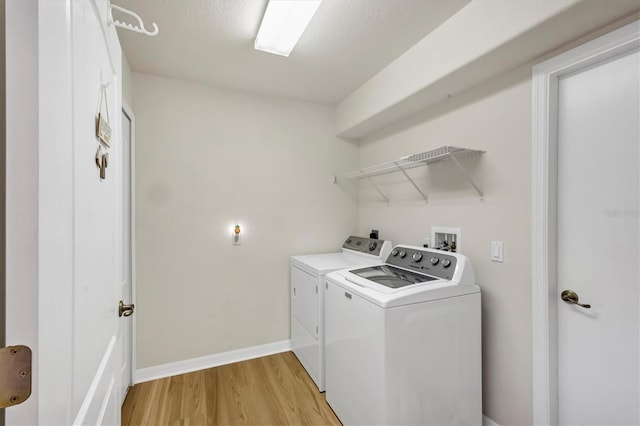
{"x": 403, "y": 341}
{"x": 307, "y": 300}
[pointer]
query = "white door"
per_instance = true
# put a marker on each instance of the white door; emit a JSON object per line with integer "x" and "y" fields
{"x": 125, "y": 259}
{"x": 598, "y": 243}
{"x": 77, "y": 356}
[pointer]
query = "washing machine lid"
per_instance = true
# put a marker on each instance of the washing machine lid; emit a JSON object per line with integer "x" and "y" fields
{"x": 391, "y": 276}
{"x": 321, "y": 264}
{"x": 355, "y": 252}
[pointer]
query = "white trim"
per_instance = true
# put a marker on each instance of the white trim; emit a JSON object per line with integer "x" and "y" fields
{"x": 132, "y": 223}
{"x": 544, "y": 125}
{"x": 486, "y": 421}
{"x": 91, "y": 398}
{"x": 24, "y": 143}
{"x": 195, "y": 364}
{"x": 106, "y": 401}
{"x": 543, "y": 285}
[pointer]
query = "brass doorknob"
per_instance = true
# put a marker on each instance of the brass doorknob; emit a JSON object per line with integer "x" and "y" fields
{"x": 571, "y": 297}
{"x": 125, "y": 310}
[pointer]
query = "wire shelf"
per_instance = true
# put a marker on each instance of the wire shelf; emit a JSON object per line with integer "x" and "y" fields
{"x": 411, "y": 161}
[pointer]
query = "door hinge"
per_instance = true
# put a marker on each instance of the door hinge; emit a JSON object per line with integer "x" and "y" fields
{"x": 317, "y": 329}
{"x": 15, "y": 375}
{"x": 316, "y": 289}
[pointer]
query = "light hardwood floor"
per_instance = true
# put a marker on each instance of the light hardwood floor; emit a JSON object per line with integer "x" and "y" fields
{"x": 273, "y": 390}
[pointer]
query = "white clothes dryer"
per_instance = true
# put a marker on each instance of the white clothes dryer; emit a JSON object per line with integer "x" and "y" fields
{"x": 403, "y": 341}
{"x": 307, "y": 296}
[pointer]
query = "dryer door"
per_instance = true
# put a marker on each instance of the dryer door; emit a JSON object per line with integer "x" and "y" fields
{"x": 304, "y": 299}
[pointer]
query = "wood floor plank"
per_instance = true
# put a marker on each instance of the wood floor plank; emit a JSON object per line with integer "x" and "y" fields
{"x": 159, "y": 409}
{"x": 273, "y": 390}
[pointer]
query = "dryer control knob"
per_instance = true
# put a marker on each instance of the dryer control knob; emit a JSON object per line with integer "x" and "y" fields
{"x": 446, "y": 263}
{"x": 372, "y": 246}
{"x": 403, "y": 254}
{"x": 394, "y": 252}
{"x": 434, "y": 260}
{"x": 417, "y": 257}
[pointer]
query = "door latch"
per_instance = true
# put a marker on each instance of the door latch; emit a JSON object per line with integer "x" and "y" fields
{"x": 15, "y": 375}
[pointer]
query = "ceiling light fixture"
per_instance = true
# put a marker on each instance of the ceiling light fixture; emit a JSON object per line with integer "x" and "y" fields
{"x": 283, "y": 23}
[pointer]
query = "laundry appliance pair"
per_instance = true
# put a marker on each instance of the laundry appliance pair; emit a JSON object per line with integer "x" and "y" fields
{"x": 398, "y": 339}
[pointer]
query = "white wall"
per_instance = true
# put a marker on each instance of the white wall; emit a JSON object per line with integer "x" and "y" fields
{"x": 206, "y": 158}
{"x": 495, "y": 117}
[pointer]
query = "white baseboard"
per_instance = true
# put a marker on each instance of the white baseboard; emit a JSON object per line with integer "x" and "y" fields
{"x": 486, "y": 421}
{"x": 209, "y": 361}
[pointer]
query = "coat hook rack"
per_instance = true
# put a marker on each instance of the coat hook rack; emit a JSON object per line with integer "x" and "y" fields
{"x": 140, "y": 28}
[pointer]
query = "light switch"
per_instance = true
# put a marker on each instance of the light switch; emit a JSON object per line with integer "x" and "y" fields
{"x": 497, "y": 251}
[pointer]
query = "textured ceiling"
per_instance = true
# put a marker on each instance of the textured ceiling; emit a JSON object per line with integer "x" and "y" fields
{"x": 346, "y": 43}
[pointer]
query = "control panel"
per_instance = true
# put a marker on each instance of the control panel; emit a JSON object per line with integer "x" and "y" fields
{"x": 431, "y": 262}
{"x": 363, "y": 245}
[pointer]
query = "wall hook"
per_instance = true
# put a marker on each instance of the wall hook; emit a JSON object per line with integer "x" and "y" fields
{"x": 140, "y": 28}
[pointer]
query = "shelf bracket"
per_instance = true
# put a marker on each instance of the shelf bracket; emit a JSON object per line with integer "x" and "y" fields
{"x": 411, "y": 180}
{"x": 466, "y": 175}
{"x": 376, "y": 187}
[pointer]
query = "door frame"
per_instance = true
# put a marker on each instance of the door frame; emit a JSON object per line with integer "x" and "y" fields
{"x": 128, "y": 111}
{"x": 544, "y": 215}
{"x": 21, "y": 169}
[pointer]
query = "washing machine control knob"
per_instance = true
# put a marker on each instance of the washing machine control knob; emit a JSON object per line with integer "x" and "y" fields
{"x": 417, "y": 257}
{"x": 446, "y": 263}
{"x": 403, "y": 254}
{"x": 372, "y": 246}
{"x": 394, "y": 252}
{"x": 434, "y": 260}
